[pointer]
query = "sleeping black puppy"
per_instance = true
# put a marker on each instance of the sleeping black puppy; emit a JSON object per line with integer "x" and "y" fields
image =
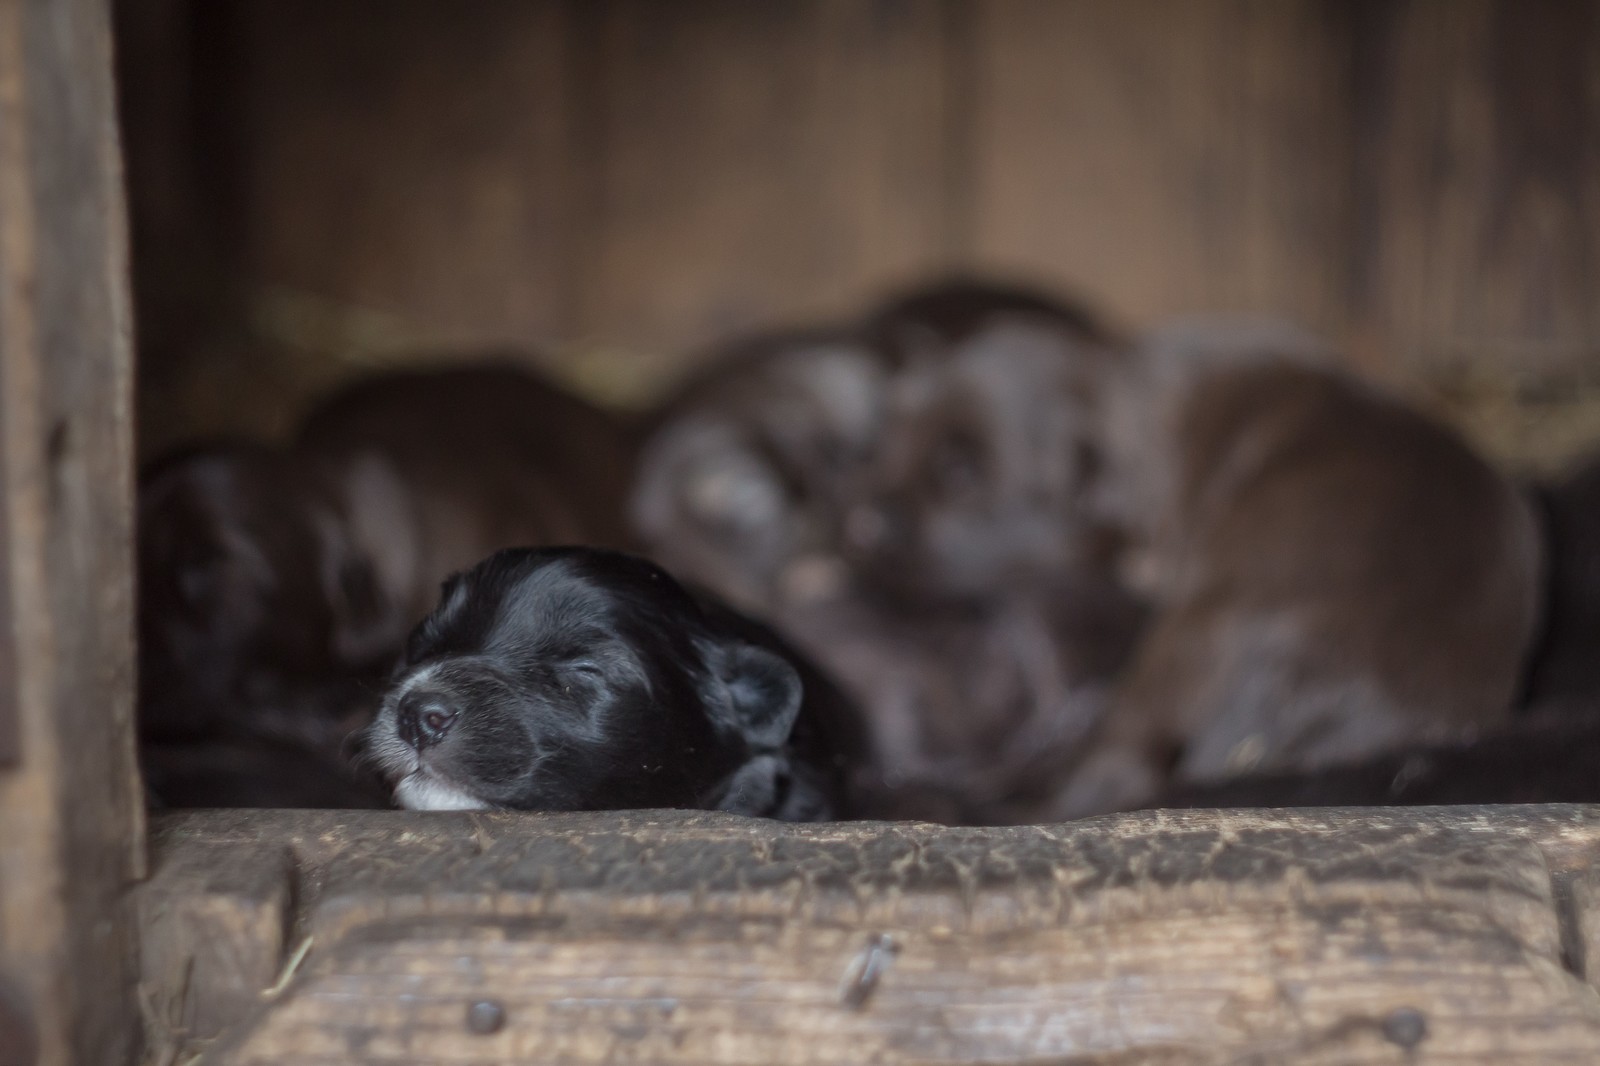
{"x": 583, "y": 679}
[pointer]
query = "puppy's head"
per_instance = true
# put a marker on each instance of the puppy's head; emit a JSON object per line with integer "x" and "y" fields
{"x": 989, "y": 456}
{"x": 740, "y": 489}
{"x": 580, "y": 679}
{"x": 949, "y": 311}
{"x": 250, "y": 592}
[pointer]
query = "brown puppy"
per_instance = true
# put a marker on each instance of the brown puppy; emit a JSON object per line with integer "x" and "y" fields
{"x": 948, "y": 312}
{"x": 1334, "y": 573}
{"x": 753, "y": 472}
{"x": 973, "y": 709}
{"x": 277, "y": 586}
{"x": 989, "y": 455}
{"x": 742, "y": 482}
{"x": 249, "y": 585}
{"x": 445, "y": 466}
{"x": 755, "y": 469}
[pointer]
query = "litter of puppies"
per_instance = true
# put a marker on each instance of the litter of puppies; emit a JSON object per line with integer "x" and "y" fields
{"x": 973, "y": 557}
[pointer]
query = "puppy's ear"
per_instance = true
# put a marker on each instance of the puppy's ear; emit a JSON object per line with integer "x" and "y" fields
{"x": 764, "y": 694}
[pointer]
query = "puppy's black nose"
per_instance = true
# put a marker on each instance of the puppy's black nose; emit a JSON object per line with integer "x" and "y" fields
{"x": 423, "y": 719}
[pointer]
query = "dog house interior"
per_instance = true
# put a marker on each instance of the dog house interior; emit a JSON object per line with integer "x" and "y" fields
{"x": 1129, "y": 465}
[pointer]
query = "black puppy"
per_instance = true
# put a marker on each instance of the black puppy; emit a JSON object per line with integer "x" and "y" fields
{"x": 583, "y": 679}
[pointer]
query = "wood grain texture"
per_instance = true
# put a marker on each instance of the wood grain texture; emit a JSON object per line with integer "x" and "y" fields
{"x": 10, "y": 716}
{"x": 617, "y": 178}
{"x": 1167, "y": 156}
{"x": 70, "y": 813}
{"x": 756, "y": 163}
{"x": 212, "y": 927}
{"x": 618, "y": 182}
{"x": 1336, "y": 936}
{"x": 1480, "y": 160}
{"x": 1581, "y": 890}
{"x": 180, "y": 207}
{"x": 416, "y": 164}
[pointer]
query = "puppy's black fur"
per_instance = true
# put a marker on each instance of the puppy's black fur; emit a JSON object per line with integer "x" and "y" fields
{"x": 1563, "y": 671}
{"x": 583, "y": 679}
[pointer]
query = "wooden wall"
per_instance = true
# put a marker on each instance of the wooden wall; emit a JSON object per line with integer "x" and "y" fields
{"x": 71, "y": 813}
{"x": 619, "y": 182}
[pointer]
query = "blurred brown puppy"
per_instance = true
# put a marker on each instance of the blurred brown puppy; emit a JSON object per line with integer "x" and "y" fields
{"x": 768, "y": 480}
{"x": 973, "y": 709}
{"x": 250, "y": 583}
{"x": 989, "y": 455}
{"x": 277, "y": 586}
{"x": 948, "y": 312}
{"x": 1334, "y": 573}
{"x": 757, "y": 467}
{"x": 742, "y": 480}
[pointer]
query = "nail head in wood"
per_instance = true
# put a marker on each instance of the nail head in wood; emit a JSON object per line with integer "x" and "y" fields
{"x": 1406, "y": 1027}
{"x": 485, "y": 1017}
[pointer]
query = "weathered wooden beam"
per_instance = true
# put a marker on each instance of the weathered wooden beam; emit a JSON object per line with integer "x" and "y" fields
{"x": 212, "y": 931}
{"x": 70, "y": 812}
{"x": 1425, "y": 935}
{"x": 1167, "y": 156}
{"x": 1477, "y": 164}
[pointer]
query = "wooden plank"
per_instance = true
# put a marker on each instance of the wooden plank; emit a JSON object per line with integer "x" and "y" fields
{"x": 412, "y": 167}
{"x": 537, "y": 174}
{"x": 1481, "y": 163}
{"x": 70, "y": 813}
{"x": 10, "y": 720}
{"x": 180, "y": 213}
{"x": 1168, "y": 156}
{"x": 1427, "y": 935}
{"x": 212, "y": 926}
{"x": 756, "y": 163}
{"x": 347, "y": 193}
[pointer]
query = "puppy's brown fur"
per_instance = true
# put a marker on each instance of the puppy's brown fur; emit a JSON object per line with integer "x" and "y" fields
{"x": 798, "y": 452}
{"x": 743, "y": 480}
{"x": 988, "y": 457}
{"x": 277, "y": 586}
{"x": 444, "y": 467}
{"x": 1335, "y": 574}
{"x": 758, "y": 469}
{"x": 973, "y": 709}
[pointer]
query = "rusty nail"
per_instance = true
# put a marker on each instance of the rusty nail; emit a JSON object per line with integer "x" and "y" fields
{"x": 485, "y": 1017}
{"x": 866, "y": 969}
{"x": 1406, "y": 1027}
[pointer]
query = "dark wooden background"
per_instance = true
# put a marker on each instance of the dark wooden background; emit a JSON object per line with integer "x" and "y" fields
{"x": 319, "y": 186}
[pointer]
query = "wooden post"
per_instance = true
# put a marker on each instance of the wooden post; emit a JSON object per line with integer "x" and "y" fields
{"x": 71, "y": 830}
